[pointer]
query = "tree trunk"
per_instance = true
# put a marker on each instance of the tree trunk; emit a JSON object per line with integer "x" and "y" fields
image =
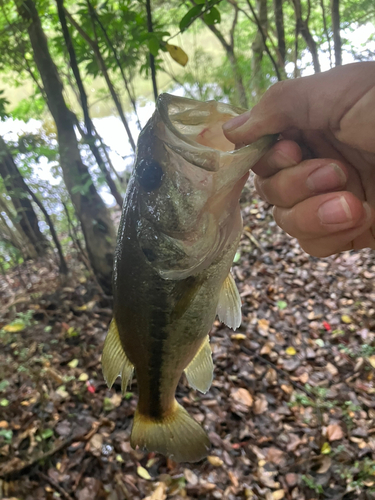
{"x": 258, "y": 47}
{"x": 303, "y": 28}
{"x": 335, "y": 9}
{"x": 152, "y": 58}
{"x": 279, "y": 20}
{"x": 96, "y": 224}
{"x": 17, "y": 190}
{"x": 89, "y": 135}
{"x": 103, "y": 69}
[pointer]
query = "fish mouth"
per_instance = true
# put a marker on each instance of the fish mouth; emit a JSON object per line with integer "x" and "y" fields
{"x": 193, "y": 130}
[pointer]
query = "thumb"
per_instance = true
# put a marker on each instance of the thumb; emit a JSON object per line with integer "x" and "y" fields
{"x": 317, "y": 102}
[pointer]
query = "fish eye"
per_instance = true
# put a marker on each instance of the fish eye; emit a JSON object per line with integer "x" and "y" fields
{"x": 149, "y": 174}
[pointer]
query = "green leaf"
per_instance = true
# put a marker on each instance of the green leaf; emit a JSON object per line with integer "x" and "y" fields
{"x": 281, "y": 304}
{"x": 7, "y": 434}
{"x": 153, "y": 46}
{"x": 47, "y": 433}
{"x": 189, "y": 16}
{"x": 3, "y": 385}
{"x": 237, "y": 258}
{"x": 212, "y": 16}
{"x": 4, "y": 402}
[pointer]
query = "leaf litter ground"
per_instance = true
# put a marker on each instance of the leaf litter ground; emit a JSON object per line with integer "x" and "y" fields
{"x": 291, "y": 412}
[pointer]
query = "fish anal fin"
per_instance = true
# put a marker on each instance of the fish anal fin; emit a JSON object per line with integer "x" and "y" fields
{"x": 229, "y": 306}
{"x": 114, "y": 360}
{"x": 199, "y": 372}
{"x": 177, "y": 435}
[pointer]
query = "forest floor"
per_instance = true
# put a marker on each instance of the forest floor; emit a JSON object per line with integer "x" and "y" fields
{"x": 291, "y": 412}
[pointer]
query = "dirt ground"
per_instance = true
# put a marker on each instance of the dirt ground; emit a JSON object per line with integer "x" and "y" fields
{"x": 290, "y": 414}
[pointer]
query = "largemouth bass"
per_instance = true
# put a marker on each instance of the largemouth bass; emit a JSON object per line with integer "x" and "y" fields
{"x": 179, "y": 232}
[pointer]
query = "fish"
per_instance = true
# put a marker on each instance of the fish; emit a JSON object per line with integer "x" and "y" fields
{"x": 179, "y": 232}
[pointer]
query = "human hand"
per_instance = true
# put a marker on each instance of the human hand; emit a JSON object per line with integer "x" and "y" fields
{"x": 321, "y": 174}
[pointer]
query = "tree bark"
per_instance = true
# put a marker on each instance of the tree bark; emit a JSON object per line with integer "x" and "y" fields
{"x": 89, "y": 136}
{"x": 152, "y": 58}
{"x": 103, "y": 68}
{"x": 258, "y": 47}
{"x": 279, "y": 20}
{"x": 303, "y": 28}
{"x": 17, "y": 190}
{"x": 335, "y": 10}
{"x": 96, "y": 224}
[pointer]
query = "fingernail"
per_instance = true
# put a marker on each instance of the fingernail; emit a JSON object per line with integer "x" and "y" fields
{"x": 326, "y": 178}
{"x": 236, "y": 122}
{"x": 335, "y": 211}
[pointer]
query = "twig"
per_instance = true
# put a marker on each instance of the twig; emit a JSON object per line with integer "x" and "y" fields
{"x": 55, "y": 485}
{"x": 264, "y": 38}
{"x": 25, "y": 466}
{"x": 253, "y": 240}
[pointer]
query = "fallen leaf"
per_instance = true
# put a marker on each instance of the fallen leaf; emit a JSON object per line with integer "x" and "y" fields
{"x": 159, "y": 493}
{"x": 346, "y": 319}
{"x": 334, "y": 432}
{"x": 238, "y": 336}
{"x": 260, "y": 405}
{"x": 242, "y": 396}
{"x": 325, "y": 464}
{"x": 290, "y": 351}
{"x": 190, "y": 477}
{"x": 73, "y": 363}
{"x": 4, "y": 402}
{"x": 83, "y": 377}
{"x": 215, "y": 461}
{"x": 267, "y": 348}
{"x": 326, "y": 449}
{"x": 332, "y": 369}
{"x": 14, "y": 327}
{"x": 327, "y": 326}
{"x": 263, "y": 326}
{"x": 278, "y": 494}
{"x": 4, "y": 424}
{"x": 371, "y": 360}
{"x": 143, "y": 473}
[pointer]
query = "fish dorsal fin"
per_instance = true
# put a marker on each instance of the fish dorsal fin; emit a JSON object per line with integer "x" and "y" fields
{"x": 114, "y": 360}
{"x": 199, "y": 372}
{"x": 229, "y": 306}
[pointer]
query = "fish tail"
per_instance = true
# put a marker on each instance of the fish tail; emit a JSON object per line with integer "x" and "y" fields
{"x": 176, "y": 435}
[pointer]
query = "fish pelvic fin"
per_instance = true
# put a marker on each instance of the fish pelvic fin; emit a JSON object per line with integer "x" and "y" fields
{"x": 114, "y": 360}
{"x": 177, "y": 435}
{"x": 229, "y": 306}
{"x": 199, "y": 372}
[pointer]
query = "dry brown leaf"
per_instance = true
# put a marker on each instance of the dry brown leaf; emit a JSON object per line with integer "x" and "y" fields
{"x": 215, "y": 461}
{"x": 325, "y": 464}
{"x": 334, "y": 432}
{"x": 263, "y": 326}
{"x": 4, "y": 424}
{"x": 190, "y": 477}
{"x": 275, "y": 455}
{"x": 242, "y": 396}
{"x": 278, "y": 494}
{"x": 159, "y": 493}
{"x": 260, "y": 405}
{"x": 267, "y": 348}
{"x": 332, "y": 369}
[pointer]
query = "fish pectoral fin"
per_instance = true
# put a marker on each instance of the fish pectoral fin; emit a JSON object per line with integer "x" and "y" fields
{"x": 114, "y": 360}
{"x": 177, "y": 435}
{"x": 229, "y": 306}
{"x": 199, "y": 372}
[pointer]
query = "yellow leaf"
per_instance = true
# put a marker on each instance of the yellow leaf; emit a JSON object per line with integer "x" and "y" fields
{"x": 326, "y": 449}
{"x": 215, "y": 461}
{"x": 177, "y": 54}
{"x": 291, "y": 351}
{"x": 73, "y": 363}
{"x": 14, "y": 327}
{"x": 346, "y": 319}
{"x": 83, "y": 377}
{"x": 4, "y": 424}
{"x": 238, "y": 336}
{"x": 371, "y": 360}
{"x": 143, "y": 473}
{"x": 278, "y": 494}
